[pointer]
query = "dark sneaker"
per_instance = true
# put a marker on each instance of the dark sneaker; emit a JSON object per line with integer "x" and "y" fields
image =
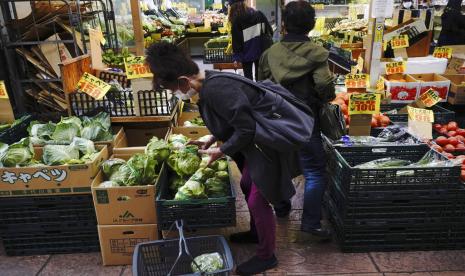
{"x": 321, "y": 233}
{"x": 257, "y": 265}
{"x": 244, "y": 237}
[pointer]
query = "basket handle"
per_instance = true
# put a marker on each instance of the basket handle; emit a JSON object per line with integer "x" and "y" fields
{"x": 182, "y": 246}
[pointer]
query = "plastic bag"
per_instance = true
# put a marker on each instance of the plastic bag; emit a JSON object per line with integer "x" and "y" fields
{"x": 433, "y": 159}
{"x": 383, "y": 163}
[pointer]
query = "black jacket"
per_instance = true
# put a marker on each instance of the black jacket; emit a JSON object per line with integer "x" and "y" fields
{"x": 225, "y": 106}
{"x": 453, "y": 28}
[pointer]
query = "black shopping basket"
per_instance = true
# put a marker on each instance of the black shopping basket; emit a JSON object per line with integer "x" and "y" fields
{"x": 174, "y": 257}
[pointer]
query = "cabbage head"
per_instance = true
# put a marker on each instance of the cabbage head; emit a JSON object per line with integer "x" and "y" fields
{"x": 86, "y": 147}
{"x": 72, "y": 120}
{"x": 220, "y": 165}
{"x": 18, "y": 154}
{"x": 177, "y": 141}
{"x": 222, "y": 175}
{"x": 110, "y": 166}
{"x": 196, "y": 188}
{"x": 187, "y": 163}
{"x": 215, "y": 187}
{"x": 60, "y": 155}
{"x": 176, "y": 182}
{"x": 65, "y": 132}
{"x": 144, "y": 167}
{"x": 202, "y": 174}
{"x": 41, "y": 131}
{"x": 102, "y": 118}
{"x": 94, "y": 131}
{"x": 124, "y": 176}
{"x": 208, "y": 263}
{"x": 159, "y": 149}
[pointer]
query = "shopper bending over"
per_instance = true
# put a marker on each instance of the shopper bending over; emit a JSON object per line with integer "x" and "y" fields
{"x": 226, "y": 108}
{"x": 302, "y": 67}
{"x": 247, "y": 28}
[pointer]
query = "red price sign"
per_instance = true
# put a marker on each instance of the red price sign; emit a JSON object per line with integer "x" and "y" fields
{"x": 400, "y": 41}
{"x": 365, "y": 103}
{"x": 397, "y": 67}
{"x": 136, "y": 68}
{"x": 93, "y": 86}
{"x": 357, "y": 81}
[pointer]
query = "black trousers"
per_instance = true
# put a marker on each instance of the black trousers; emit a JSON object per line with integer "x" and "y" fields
{"x": 247, "y": 67}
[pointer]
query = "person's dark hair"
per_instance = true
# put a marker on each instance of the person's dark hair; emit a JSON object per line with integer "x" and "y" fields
{"x": 168, "y": 62}
{"x": 299, "y": 17}
{"x": 236, "y": 10}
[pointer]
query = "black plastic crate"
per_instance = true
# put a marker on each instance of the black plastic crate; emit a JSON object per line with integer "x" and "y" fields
{"x": 122, "y": 79}
{"x": 160, "y": 103}
{"x": 17, "y": 132}
{"x": 9, "y": 230}
{"x": 217, "y": 55}
{"x": 197, "y": 213}
{"x": 441, "y": 115}
{"x": 351, "y": 179}
{"x": 157, "y": 258}
{"x": 63, "y": 243}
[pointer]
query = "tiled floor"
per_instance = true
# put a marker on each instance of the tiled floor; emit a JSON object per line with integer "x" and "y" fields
{"x": 298, "y": 255}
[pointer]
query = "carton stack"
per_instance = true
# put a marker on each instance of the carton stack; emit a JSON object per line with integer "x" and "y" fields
{"x": 126, "y": 216}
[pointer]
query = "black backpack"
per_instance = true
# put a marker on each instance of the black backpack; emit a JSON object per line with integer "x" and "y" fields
{"x": 283, "y": 122}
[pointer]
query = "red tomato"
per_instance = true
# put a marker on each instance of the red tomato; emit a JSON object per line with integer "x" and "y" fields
{"x": 374, "y": 123}
{"x": 460, "y": 138}
{"x": 451, "y": 133}
{"x": 449, "y": 148}
{"x": 453, "y": 141}
{"x": 443, "y": 130}
{"x": 437, "y": 127}
{"x": 384, "y": 121}
{"x": 442, "y": 141}
{"x": 460, "y": 147}
{"x": 438, "y": 148}
{"x": 449, "y": 155}
{"x": 452, "y": 126}
{"x": 460, "y": 131}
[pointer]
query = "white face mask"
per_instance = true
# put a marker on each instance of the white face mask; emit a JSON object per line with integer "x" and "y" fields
{"x": 407, "y": 5}
{"x": 185, "y": 96}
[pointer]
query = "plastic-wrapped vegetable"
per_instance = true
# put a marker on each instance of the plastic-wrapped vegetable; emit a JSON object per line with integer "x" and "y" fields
{"x": 382, "y": 163}
{"x": 207, "y": 263}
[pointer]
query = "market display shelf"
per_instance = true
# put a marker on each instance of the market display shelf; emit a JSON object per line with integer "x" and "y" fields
{"x": 196, "y": 213}
{"x": 157, "y": 257}
{"x": 441, "y": 114}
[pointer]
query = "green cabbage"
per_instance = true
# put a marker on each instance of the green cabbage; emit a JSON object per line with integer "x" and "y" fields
{"x": 71, "y": 120}
{"x": 41, "y": 131}
{"x": 208, "y": 263}
{"x": 145, "y": 169}
{"x": 66, "y": 131}
{"x": 110, "y": 166}
{"x": 18, "y": 154}
{"x": 86, "y": 147}
{"x": 60, "y": 155}
{"x": 187, "y": 163}
{"x": 202, "y": 174}
{"x": 102, "y": 118}
{"x": 215, "y": 187}
{"x": 220, "y": 165}
{"x": 94, "y": 131}
{"x": 191, "y": 190}
{"x": 159, "y": 149}
{"x": 224, "y": 176}
{"x": 176, "y": 182}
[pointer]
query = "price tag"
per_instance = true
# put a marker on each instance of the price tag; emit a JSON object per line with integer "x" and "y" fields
{"x": 430, "y": 98}
{"x": 380, "y": 84}
{"x": 93, "y": 86}
{"x": 136, "y": 68}
{"x": 320, "y": 24}
{"x": 442, "y": 52}
{"x": 364, "y": 103}
{"x": 399, "y": 42}
{"x": 319, "y": 6}
{"x": 3, "y": 92}
{"x": 397, "y": 67}
{"x": 357, "y": 81}
{"x": 420, "y": 114}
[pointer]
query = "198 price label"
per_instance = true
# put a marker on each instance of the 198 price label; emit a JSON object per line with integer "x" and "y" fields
{"x": 442, "y": 52}
{"x": 365, "y": 103}
{"x": 400, "y": 41}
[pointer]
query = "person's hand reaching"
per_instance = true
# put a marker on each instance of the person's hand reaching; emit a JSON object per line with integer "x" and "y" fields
{"x": 214, "y": 153}
{"x": 203, "y": 145}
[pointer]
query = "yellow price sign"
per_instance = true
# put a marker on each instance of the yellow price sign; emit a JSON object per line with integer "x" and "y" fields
{"x": 3, "y": 92}
{"x": 136, "y": 68}
{"x": 430, "y": 98}
{"x": 357, "y": 81}
{"x": 364, "y": 103}
{"x": 93, "y": 86}
{"x": 396, "y": 67}
{"x": 319, "y": 6}
{"x": 420, "y": 114}
{"x": 442, "y": 52}
{"x": 399, "y": 42}
{"x": 380, "y": 84}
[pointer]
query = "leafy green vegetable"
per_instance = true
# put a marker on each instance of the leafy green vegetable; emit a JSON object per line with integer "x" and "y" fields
{"x": 17, "y": 154}
{"x": 41, "y": 131}
{"x": 145, "y": 167}
{"x": 176, "y": 182}
{"x": 102, "y": 118}
{"x": 94, "y": 131}
{"x": 4, "y": 127}
{"x": 219, "y": 165}
{"x": 224, "y": 176}
{"x": 110, "y": 166}
{"x": 187, "y": 163}
{"x": 84, "y": 146}
{"x": 60, "y": 155}
{"x": 202, "y": 174}
{"x": 191, "y": 190}
{"x": 177, "y": 141}
{"x": 208, "y": 263}
{"x": 66, "y": 131}
{"x": 158, "y": 149}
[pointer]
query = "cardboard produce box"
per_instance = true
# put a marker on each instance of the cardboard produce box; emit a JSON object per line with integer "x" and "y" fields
{"x": 193, "y": 133}
{"x": 433, "y": 81}
{"x": 187, "y": 116}
{"x": 402, "y": 90}
{"x": 47, "y": 180}
{"x": 119, "y": 140}
{"x": 457, "y": 89}
{"x": 117, "y": 242}
{"x": 124, "y": 205}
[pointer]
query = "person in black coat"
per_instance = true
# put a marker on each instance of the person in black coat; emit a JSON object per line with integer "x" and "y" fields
{"x": 247, "y": 27}
{"x": 453, "y": 25}
{"x": 225, "y": 105}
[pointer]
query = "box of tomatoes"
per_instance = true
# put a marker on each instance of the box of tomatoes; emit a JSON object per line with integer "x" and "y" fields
{"x": 402, "y": 88}
{"x": 436, "y": 82}
{"x": 450, "y": 140}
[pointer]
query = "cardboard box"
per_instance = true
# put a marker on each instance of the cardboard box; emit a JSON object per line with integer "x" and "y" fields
{"x": 117, "y": 242}
{"x": 457, "y": 89}
{"x": 119, "y": 140}
{"x": 187, "y": 116}
{"x": 402, "y": 92}
{"x": 140, "y": 136}
{"x": 193, "y": 133}
{"x": 47, "y": 180}
{"x": 434, "y": 81}
{"x": 124, "y": 205}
